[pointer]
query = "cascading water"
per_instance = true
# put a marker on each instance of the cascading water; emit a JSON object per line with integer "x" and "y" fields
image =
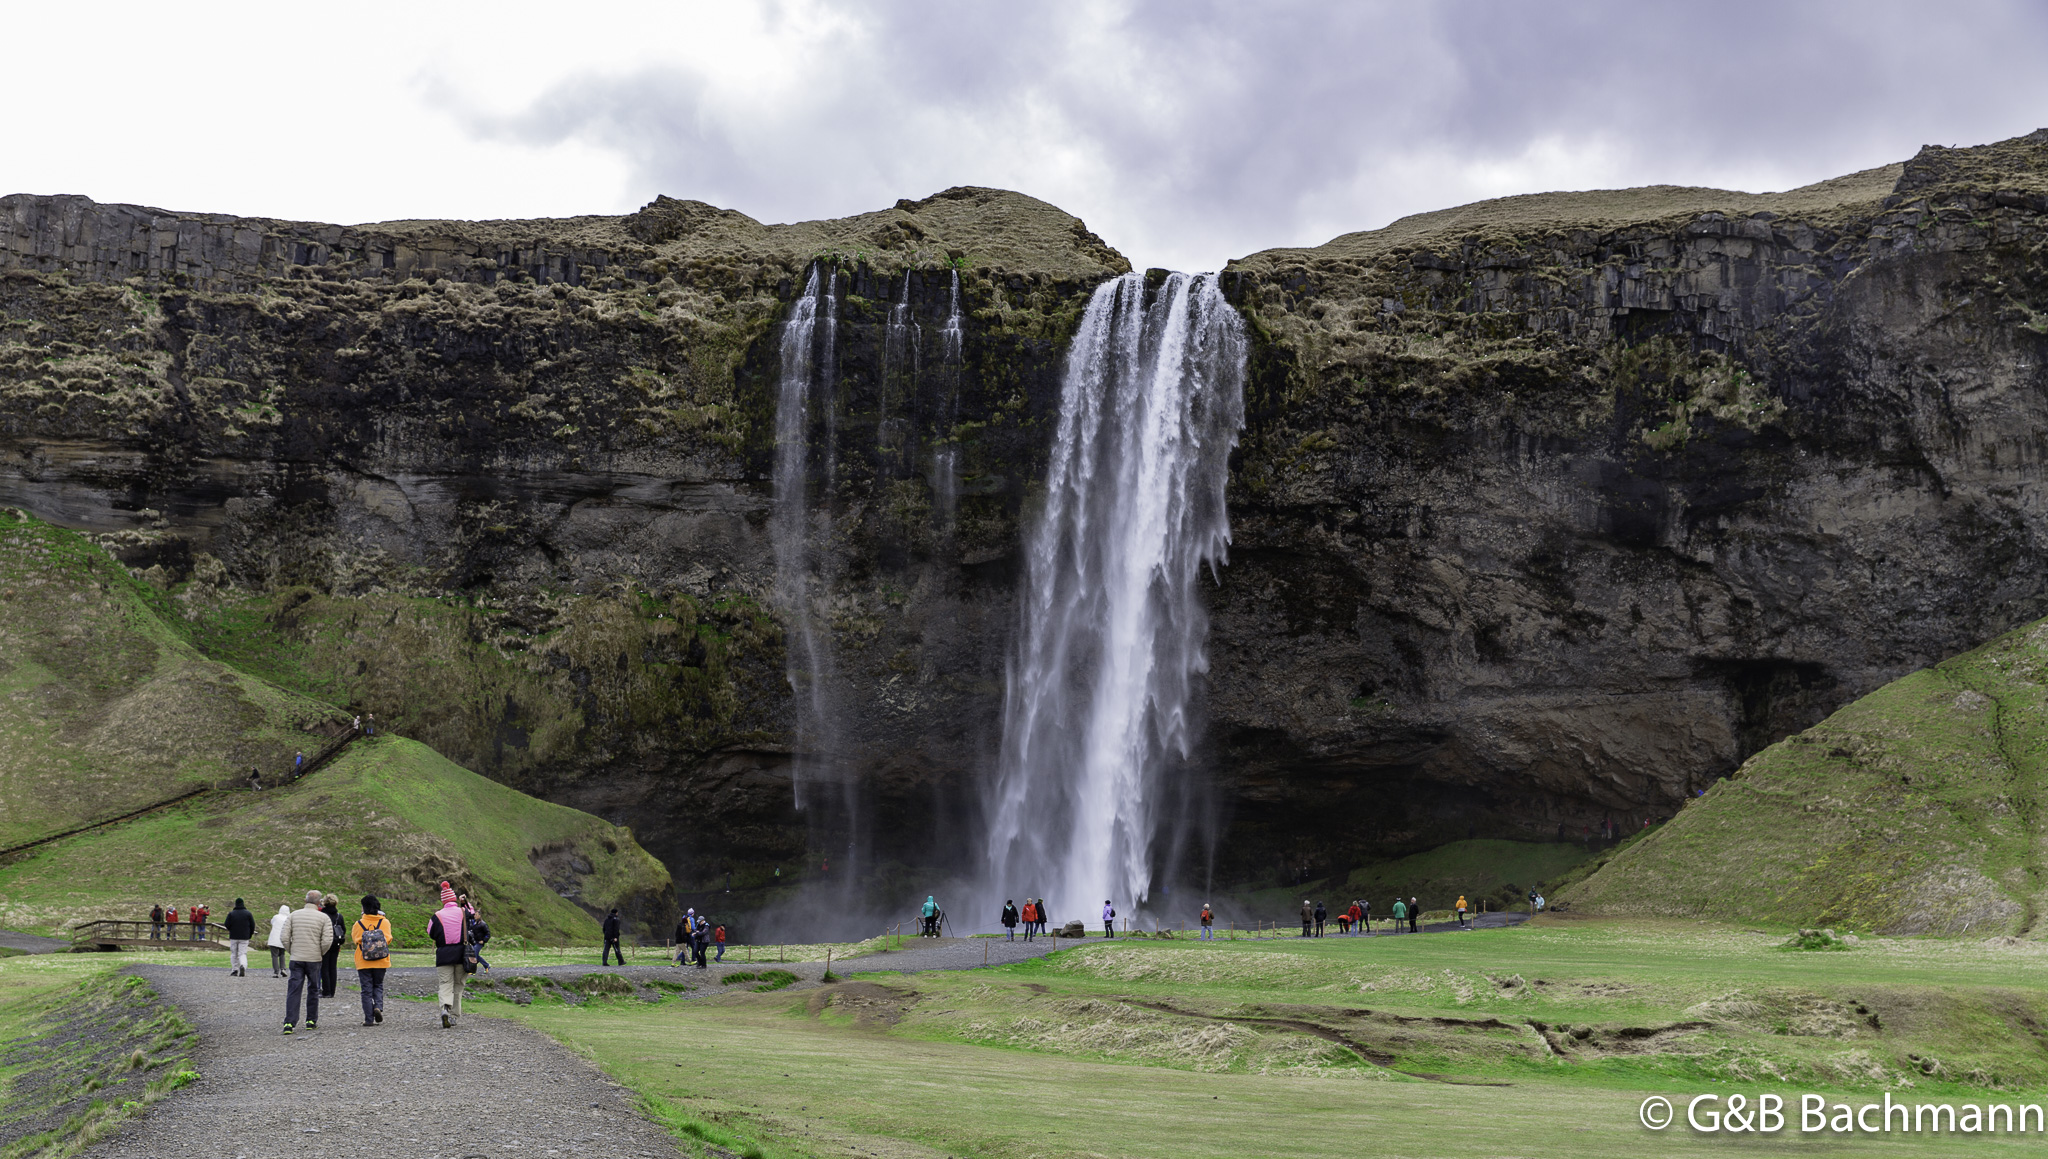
{"x": 795, "y": 523}
{"x": 946, "y": 461}
{"x": 1097, "y": 712}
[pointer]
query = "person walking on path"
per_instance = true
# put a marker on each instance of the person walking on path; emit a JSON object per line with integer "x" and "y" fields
{"x": 299, "y": 765}
{"x": 449, "y": 930}
{"x": 1010, "y": 918}
{"x": 685, "y": 934}
{"x": 278, "y": 921}
{"x": 307, "y": 934}
{"x": 371, "y": 937}
{"x": 701, "y": 938}
{"x": 1400, "y": 911}
{"x": 479, "y": 933}
{"x": 611, "y": 939}
{"x": 330, "y": 965}
{"x": 1322, "y": 915}
{"x": 718, "y": 940}
{"x": 1208, "y": 922}
{"x": 1461, "y": 911}
{"x": 1108, "y": 919}
{"x": 1030, "y": 916}
{"x": 1308, "y": 917}
{"x": 930, "y": 913}
{"x": 156, "y": 922}
{"x": 1414, "y": 914}
{"x": 241, "y": 928}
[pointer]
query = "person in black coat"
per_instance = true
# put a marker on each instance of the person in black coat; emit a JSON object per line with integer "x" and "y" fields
{"x": 1322, "y": 915}
{"x": 611, "y": 939}
{"x": 1010, "y": 918}
{"x": 241, "y": 928}
{"x": 330, "y": 962}
{"x": 700, "y": 938}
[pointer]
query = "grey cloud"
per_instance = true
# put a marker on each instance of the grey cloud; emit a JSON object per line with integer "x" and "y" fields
{"x": 1210, "y": 129}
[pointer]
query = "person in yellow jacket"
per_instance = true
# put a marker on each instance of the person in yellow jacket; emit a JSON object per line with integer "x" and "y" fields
{"x": 372, "y": 938}
{"x": 1461, "y": 911}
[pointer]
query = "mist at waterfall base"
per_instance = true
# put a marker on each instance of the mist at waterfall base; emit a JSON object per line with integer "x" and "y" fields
{"x": 1094, "y": 796}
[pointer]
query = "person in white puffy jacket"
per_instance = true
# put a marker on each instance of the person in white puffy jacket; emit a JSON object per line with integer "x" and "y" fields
{"x": 276, "y": 943}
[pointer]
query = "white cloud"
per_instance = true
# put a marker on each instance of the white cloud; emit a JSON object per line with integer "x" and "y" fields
{"x": 1185, "y": 132}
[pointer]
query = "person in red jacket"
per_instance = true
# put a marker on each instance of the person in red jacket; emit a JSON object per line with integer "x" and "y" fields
{"x": 198, "y": 915}
{"x": 718, "y": 937}
{"x": 1357, "y": 916}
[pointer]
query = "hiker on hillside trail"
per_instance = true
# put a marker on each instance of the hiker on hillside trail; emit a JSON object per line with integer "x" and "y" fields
{"x": 1010, "y": 918}
{"x": 307, "y": 934}
{"x": 1308, "y": 917}
{"x": 299, "y": 765}
{"x": 449, "y": 931}
{"x": 1322, "y": 915}
{"x": 330, "y": 964}
{"x": 1108, "y": 919}
{"x": 241, "y": 927}
{"x": 1414, "y": 913}
{"x": 1030, "y": 917}
{"x": 1208, "y": 922}
{"x": 156, "y": 922}
{"x": 611, "y": 940}
{"x": 371, "y": 936}
{"x": 930, "y": 913}
{"x": 1461, "y": 911}
{"x": 370, "y": 724}
{"x": 1400, "y": 912}
{"x": 278, "y": 922}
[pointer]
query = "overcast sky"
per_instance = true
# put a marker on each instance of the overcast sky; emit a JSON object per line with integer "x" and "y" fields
{"x": 1184, "y": 132}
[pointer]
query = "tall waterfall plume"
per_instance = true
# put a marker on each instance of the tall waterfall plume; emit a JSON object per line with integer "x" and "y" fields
{"x": 797, "y": 522}
{"x": 1097, "y": 714}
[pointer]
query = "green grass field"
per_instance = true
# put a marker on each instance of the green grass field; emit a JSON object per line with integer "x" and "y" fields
{"x": 1541, "y": 1040}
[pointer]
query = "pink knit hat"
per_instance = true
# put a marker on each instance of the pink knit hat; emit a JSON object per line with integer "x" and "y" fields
{"x": 447, "y": 894}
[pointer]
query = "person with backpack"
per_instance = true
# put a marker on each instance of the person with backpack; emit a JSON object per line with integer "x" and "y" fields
{"x": 448, "y": 929}
{"x": 371, "y": 936}
{"x": 686, "y": 933}
{"x": 307, "y": 934}
{"x": 1030, "y": 916}
{"x": 330, "y": 965}
{"x": 1400, "y": 911}
{"x": 241, "y": 927}
{"x": 1108, "y": 919}
{"x": 1414, "y": 914}
{"x": 718, "y": 939}
{"x": 930, "y": 912}
{"x": 1208, "y": 922}
{"x": 479, "y": 934}
{"x": 156, "y": 921}
{"x": 1010, "y": 918}
{"x": 611, "y": 939}
{"x": 278, "y": 921}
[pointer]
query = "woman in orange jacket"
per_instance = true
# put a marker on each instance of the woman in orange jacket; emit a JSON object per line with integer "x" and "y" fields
{"x": 372, "y": 939}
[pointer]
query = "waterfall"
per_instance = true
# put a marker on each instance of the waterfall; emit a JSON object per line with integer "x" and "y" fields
{"x": 1096, "y": 716}
{"x": 795, "y": 524}
{"x": 949, "y": 336}
{"x": 946, "y": 461}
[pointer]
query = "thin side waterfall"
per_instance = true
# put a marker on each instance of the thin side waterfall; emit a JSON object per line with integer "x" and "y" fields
{"x": 946, "y": 461}
{"x": 1097, "y": 713}
{"x": 796, "y": 523}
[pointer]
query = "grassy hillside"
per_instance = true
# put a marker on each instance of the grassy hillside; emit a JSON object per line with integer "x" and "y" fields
{"x": 1499, "y": 872}
{"x": 1917, "y": 809}
{"x": 105, "y": 707}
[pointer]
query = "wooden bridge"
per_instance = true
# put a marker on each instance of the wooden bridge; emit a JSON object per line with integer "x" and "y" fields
{"x": 117, "y": 935}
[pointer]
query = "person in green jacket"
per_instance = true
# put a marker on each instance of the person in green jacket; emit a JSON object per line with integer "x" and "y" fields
{"x": 1400, "y": 913}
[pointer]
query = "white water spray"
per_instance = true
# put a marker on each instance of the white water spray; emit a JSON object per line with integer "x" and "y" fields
{"x": 796, "y": 523}
{"x": 1096, "y": 714}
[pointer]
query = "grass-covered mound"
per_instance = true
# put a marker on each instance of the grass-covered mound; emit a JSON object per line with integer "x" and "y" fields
{"x": 1917, "y": 809}
{"x": 106, "y": 707}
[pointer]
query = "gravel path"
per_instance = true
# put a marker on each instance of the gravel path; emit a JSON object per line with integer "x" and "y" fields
{"x": 32, "y": 944}
{"x": 489, "y": 1089}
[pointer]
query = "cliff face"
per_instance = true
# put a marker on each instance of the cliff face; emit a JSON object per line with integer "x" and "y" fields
{"x": 1557, "y": 508}
{"x": 1548, "y": 509}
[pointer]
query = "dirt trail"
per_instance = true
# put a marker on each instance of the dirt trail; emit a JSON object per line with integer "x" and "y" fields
{"x": 489, "y": 1089}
